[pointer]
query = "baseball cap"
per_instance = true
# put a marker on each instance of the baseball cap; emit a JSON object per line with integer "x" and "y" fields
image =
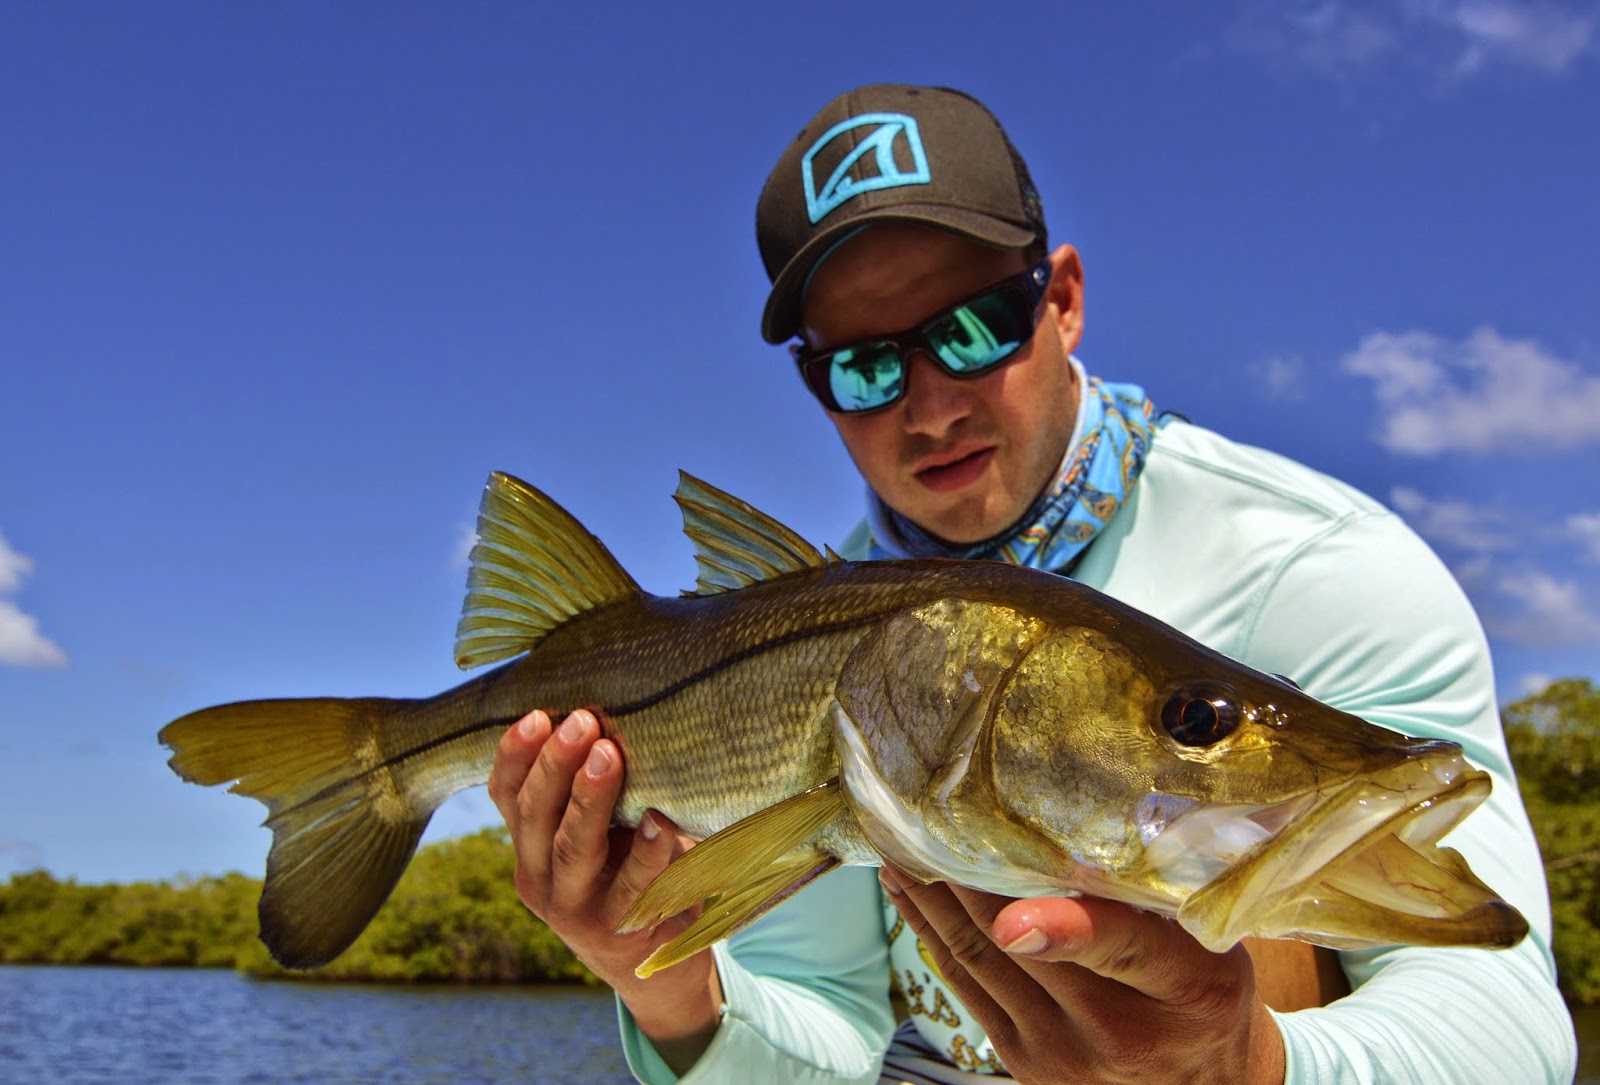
{"x": 888, "y": 153}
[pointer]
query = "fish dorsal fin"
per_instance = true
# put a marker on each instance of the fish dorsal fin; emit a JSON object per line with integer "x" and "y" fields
{"x": 736, "y": 545}
{"x": 534, "y": 567}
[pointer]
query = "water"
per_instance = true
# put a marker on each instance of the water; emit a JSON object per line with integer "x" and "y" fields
{"x": 195, "y": 1027}
{"x": 95, "y": 1025}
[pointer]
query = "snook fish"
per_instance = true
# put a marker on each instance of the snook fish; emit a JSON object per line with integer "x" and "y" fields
{"x": 973, "y": 722}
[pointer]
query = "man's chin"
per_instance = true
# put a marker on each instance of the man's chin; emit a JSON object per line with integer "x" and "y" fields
{"x": 962, "y": 520}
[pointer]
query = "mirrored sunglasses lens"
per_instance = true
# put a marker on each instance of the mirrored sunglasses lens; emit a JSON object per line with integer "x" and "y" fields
{"x": 865, "y": 377}
{"x": 982, "y": 333}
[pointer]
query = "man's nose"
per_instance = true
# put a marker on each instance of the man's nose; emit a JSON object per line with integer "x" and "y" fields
{"x": 935, "y": 401}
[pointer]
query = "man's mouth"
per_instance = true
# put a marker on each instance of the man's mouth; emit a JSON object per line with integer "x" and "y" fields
{"x": 952, "y": 474}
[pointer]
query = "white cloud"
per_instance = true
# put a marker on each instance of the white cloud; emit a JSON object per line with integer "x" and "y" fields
{"x": 1285, "y": 378}
{"x": 1329, "y": 39}
{"x": 13, "y": 567}
{"x": 1585, "y": 528}
{"x": 1525, "y": 604}
{"x": 1453, "y": 522}
{"x": 1482, "y": 394}
{"x": 1534, "y": 683}
{"x": 1541, "y": 36}
{"x": 21, "y": 643}
{"x": 1447, "y": 40}
{"x": 1550, "y": 611}
{"x": 466, "y": 539}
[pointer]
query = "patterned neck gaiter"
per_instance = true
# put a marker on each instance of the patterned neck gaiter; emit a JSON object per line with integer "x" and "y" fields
{"x": 1103, "y": 461}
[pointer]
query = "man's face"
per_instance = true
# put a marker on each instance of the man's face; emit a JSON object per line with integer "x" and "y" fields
{"x": 961, "y": 458}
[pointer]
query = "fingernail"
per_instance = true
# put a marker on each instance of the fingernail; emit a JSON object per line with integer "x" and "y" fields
{"x": 528, "y": 726}
{"x": 1032, "y": 941}
{"x": 648, "y": 827}
{"x": 599, "y": 760}
{"x": 890, "y": 883}
{"x": 572, "y": 728}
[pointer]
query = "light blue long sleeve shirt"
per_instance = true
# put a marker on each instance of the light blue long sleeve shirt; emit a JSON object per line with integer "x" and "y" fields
{"x": 1293, "y": 573}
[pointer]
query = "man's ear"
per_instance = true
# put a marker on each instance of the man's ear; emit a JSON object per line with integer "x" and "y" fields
{"x": 1065, "y": 294}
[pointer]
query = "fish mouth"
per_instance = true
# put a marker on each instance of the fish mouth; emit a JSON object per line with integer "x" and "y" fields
{"x": 1353, "y": 867}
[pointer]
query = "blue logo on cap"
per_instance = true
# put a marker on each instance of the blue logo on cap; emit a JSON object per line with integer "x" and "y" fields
{"x": 840, "y": 186}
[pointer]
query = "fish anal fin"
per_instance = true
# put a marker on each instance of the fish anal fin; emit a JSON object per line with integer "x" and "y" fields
{"x": 737, "y": 857}
{"x": 333, "y": 863}
{"x": 729, "y": 913}
{"x": 534, "y": 567}
{"x": 735, "y": 544}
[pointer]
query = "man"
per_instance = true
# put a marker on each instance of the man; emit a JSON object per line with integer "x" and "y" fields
{"x": 908, "y": 255}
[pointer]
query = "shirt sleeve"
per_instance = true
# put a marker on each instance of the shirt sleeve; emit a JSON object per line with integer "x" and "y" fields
{"x": 1367, "y": 619}
{"x": 805, "y": 990}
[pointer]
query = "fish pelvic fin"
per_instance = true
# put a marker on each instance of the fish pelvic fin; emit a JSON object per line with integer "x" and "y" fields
{"x": 533, "y": 568}
{"x": 344, "y": 824}
{"x": 736, "y": 545}
{"x": 725, "y": 915}
{"x": 739, "y": 873}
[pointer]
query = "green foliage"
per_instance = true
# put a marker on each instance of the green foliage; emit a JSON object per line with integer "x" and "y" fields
{"x": 1554, "y": 738}
{"x": 43, "y": 920}
{"x": 454, "y": 917}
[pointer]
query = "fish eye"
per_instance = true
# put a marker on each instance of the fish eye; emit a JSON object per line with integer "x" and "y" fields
{"x": 1201, "y": 715}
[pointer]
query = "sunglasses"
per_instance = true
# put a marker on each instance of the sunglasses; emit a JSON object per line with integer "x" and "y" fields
{"x": 967, "y": 340}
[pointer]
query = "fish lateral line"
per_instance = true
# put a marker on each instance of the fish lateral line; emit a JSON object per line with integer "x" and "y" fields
{"x": 399, "y": 759}
{"x": 741, "y": 656}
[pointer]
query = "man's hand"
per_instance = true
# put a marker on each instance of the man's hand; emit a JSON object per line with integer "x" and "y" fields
{"x": 556, "y": 792}
{"x": 1077, "y": 989}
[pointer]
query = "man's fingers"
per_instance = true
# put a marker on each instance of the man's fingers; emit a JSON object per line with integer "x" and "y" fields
{"x": 961, "y": 949}
{"x": 960, "y": 918}
{"x": 1142, "y": 950}
{"x": 542, "y": 799}
{"x": 582, "y": 844}
{"x": 655, "y": 845}
{"x": 519, "y": 748}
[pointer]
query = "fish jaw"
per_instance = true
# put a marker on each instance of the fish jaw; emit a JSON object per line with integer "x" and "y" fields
{"x": 1357, "y": 867}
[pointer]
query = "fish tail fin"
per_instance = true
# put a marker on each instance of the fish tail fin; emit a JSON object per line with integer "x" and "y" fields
{"x": 345, "y": 817}
{"x": 534, "y": 567}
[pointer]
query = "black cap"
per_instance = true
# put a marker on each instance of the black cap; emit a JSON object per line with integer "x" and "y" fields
{"x": 888, "y": 153}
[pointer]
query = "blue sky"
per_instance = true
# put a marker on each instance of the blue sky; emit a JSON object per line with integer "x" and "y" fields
{"x": 283, "y": 283}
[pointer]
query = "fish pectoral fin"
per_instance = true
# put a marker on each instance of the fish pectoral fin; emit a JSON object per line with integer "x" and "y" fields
{"x": 726, "y": 914}
{"x": 737, "y": 857}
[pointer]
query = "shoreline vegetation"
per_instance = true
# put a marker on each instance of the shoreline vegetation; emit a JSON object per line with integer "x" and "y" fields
{"x": 455, "y": 916}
